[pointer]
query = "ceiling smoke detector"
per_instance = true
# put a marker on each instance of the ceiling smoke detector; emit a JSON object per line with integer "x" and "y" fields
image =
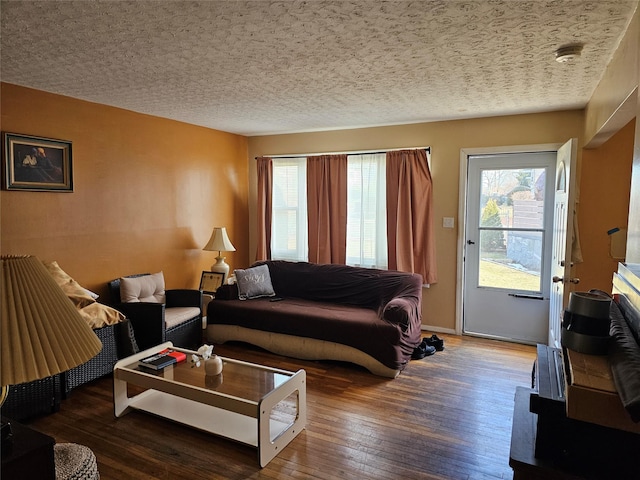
{"x": 568, "y": 54}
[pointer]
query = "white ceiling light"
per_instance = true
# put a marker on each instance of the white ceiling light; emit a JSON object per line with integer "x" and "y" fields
{"x": 568, "y": 53}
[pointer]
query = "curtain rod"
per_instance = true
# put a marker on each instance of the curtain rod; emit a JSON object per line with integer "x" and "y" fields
{"x": 357, "y": 152}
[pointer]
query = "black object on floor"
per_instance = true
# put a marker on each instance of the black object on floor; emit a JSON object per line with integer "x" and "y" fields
{"x": 422, "y": 350}
{"x": 435, "y": 342}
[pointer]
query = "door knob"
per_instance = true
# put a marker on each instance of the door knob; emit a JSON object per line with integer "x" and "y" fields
{"x": 556, "y": 279}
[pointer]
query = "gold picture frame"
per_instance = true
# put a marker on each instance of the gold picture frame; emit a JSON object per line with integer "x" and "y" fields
{"x": 210, "y": 281}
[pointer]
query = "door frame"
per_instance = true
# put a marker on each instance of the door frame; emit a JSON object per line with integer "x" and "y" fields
{"x": 462, "y": 208}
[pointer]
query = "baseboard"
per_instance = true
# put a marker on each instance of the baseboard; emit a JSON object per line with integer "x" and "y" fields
{"x": 430, "y": 328}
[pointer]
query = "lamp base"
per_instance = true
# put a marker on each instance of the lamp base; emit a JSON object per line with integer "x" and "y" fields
{"x": 221, "y": 267}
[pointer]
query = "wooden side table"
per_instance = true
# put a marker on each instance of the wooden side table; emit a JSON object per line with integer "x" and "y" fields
{"x": 29, "y": 455}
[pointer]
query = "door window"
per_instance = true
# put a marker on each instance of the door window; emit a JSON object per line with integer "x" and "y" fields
{"x": 511, "y": 228}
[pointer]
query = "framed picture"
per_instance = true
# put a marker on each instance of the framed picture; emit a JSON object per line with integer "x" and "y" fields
{"x": 210, "y": 281}
{"x": 36, "y": 164}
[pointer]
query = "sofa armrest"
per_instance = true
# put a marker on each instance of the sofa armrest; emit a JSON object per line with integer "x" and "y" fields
{"x": 184, "y": 298}
{"x": 147, "y": 320}
{"x": 227, "y": 292}
{"x": 401, "y": 311}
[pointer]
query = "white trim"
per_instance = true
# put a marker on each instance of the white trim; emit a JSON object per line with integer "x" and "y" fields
{"x": 462, "y": 207}
{"x": 431, "y": 328}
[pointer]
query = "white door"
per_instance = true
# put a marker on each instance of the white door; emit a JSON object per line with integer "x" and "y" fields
{"x": 564, "y": 203}
{"x": 507, "y": 262}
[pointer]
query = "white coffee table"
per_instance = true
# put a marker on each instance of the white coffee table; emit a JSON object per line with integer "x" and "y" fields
{"x": 252, "y": 404}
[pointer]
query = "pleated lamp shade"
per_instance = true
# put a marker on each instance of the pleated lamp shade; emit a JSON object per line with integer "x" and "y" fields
{"x": 42, "y": 332}
{"x": 219, "y": 241}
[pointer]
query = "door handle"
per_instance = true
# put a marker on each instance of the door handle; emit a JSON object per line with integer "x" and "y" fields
{"x": 557, "y": 279}
{"x": 530, "y": 297}
{"x": 470, "y": 242}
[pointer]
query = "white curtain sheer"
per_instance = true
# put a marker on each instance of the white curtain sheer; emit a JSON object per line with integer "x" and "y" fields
{"x": 366, "y": 211}
{"x": 289, "y": 207}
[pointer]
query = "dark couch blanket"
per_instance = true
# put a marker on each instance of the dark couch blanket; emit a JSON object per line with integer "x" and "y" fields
{"x": 375, "y": 311}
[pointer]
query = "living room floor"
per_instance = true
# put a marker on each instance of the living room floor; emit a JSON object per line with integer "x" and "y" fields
{"x": 447, "y": 416}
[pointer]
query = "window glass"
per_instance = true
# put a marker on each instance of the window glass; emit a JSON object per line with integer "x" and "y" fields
{"x": 511, "y": 228}
{"x": 289, "y": 210}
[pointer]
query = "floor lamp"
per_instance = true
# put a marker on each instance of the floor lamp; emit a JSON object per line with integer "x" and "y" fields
{"x": 42, "y": 332}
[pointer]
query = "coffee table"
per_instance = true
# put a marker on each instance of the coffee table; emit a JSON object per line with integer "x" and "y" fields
{"x": 252, "y": 404}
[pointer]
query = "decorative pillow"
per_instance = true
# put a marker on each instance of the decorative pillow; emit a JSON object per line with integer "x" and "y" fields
{"x": 254, "y": 282}
{"x": 98, "y": 315}
{"x": 71, "y": 288}
{"x": 95, "y": 314}
{"x": 147, "y": 288}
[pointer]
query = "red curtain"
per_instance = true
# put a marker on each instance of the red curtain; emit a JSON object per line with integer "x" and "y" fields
{"x": 410, "y": 234}
{"x": 327, "y": 208}
{"x": 265, "y": 187}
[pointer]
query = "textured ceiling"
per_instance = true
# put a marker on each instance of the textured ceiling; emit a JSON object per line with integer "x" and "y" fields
{"x": 263, "y": 67}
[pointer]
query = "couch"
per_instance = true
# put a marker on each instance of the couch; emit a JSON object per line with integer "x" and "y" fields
{"x": 324, "y": 312}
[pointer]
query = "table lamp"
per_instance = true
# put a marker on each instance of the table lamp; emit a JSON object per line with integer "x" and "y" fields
{"x": 42, "y": 332}
{"x": 220, "y": 241}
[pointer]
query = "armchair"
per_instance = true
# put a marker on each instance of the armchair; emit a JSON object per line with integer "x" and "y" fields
{"x": 158, "y": 315}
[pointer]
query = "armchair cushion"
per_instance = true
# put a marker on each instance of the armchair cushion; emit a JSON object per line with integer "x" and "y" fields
{"x": 145, "y": 288}
{"x": 176, "y": 315}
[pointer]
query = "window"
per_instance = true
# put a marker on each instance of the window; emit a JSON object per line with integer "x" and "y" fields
{"x": 366, "y": 210}
{"x": 289, "y": 209}
{"x": 512, "y": 228}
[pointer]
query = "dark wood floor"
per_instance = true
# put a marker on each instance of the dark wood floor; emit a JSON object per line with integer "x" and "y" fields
{"x": 447, "y": 416}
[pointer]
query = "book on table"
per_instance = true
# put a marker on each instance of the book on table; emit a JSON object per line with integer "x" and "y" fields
{"x": 162, "y": 359}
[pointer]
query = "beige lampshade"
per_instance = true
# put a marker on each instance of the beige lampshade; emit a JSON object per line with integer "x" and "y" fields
{"x": 42, "y": 332}
{"x": 219, "y": 241}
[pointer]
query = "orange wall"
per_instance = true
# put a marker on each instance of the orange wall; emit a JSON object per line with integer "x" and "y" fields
{"x": 148, "y": 192}
{"x": 605, "y": 187}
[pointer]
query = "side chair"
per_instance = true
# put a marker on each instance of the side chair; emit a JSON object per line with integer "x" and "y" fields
{"x": 158, "y": 315}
